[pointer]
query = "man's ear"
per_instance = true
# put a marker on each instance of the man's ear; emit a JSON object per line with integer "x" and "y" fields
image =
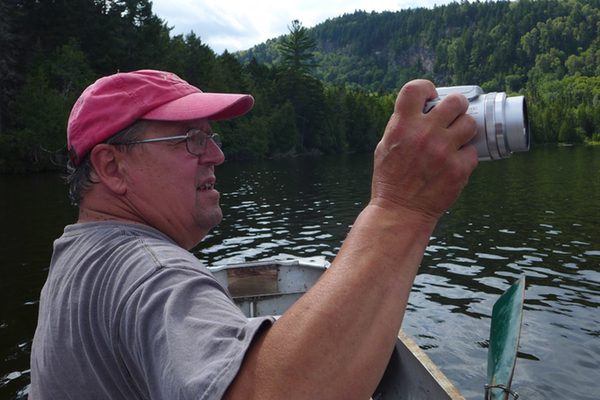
{"x": 106, "y": 160}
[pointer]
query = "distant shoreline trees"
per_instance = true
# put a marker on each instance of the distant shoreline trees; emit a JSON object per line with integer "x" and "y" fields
{"x": 328, "y": 89}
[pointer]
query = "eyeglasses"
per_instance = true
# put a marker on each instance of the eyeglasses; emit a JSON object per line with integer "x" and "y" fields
{"x": 195, "y": 140}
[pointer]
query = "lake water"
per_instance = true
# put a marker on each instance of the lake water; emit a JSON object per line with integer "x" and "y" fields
{"x": 536, "y": 214}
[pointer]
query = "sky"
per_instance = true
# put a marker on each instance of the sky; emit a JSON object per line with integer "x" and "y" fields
{"x": 240, "y": 24}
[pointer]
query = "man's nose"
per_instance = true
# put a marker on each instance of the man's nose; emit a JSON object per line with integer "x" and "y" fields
{"x": 213, "y": 154}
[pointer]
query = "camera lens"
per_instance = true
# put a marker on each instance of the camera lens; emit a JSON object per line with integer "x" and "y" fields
{"x": 506, "y": 125}
{"x": 517, "y": 124}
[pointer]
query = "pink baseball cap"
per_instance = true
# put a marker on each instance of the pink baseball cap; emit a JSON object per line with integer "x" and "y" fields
{"x": 115, "y": 102}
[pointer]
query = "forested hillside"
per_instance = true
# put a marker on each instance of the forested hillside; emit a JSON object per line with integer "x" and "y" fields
{"x": 327, "y": 89}
{"x": 546, "y": 49}
{"x": 493, "y": 44}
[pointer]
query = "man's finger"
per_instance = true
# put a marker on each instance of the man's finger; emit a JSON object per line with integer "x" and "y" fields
{"x": 450, "y": 108}
{"x": 413, "y": 96}
{"x": 463, "y": 129}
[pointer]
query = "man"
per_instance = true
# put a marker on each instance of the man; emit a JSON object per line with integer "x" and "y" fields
{"x": 127, "y": 312}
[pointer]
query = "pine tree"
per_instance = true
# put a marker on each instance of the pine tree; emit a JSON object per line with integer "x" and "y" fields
{"x": 297, "y": 49}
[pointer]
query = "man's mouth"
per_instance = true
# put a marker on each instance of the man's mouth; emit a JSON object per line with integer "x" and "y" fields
{"x": 206, "y": 186}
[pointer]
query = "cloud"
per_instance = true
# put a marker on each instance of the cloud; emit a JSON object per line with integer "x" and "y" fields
{"x": 240, "y": 24}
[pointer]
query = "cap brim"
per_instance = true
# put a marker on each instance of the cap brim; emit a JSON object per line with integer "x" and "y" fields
{"x": 212, "y": 106}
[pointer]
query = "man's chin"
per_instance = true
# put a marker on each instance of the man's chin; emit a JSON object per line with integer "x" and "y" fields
{"x": 209, "y": 220}
{"x": 202, "y": 231}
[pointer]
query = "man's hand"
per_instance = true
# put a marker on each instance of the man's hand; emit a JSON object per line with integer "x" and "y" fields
{"x": 423, "y": 161}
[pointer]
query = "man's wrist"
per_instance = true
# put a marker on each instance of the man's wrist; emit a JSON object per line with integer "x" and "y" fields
{"x": 405, "y": 218}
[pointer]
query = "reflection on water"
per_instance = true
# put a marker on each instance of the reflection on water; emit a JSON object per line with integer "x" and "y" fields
{"x": 534, "y": 214}
{"x": 33, "y": 212}
{"x": 294, "y": 207}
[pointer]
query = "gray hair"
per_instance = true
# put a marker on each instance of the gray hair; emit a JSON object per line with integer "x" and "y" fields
{"x": 80, "y": 179}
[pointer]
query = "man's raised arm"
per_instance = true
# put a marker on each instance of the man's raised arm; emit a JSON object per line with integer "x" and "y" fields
{"x": 335, "y": 342}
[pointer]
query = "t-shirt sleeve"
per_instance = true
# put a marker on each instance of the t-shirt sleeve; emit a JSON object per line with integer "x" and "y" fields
{"x": 181, "y": 337}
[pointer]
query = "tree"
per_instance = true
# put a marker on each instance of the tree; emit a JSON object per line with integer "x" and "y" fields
{"x": 229, "y": 75}
{"x": 9, "y": 45}
{"x": 297, "y": 49}
{"x": 42, "y": 106}
{"x": 198, "y": 62}
{"x": 285, "y": 138}
{"x": 296, "y": 85}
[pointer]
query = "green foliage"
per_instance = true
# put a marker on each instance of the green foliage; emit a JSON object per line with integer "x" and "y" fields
{"x": 190, "y": 58}
{"x": 567, "y": 109}
{"x": 524, "y": 46}
{"x": 40, "y": 110}
{"x": 328, "y": 89}
{"x": 285, "y": 137}
{"x": 296, "y": 49}
{"x": 10, "y": 42}
{"x": 247, "y": 138}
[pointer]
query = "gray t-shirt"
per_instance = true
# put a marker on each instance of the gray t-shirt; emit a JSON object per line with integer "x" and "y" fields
{"x": 128, "y": 314}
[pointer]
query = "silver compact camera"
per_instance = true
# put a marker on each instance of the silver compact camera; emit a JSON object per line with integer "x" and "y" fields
{"x": 502, "y": 122}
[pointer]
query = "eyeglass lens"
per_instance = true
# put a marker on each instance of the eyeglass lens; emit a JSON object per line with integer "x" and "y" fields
{"x": 198, "y": 140}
